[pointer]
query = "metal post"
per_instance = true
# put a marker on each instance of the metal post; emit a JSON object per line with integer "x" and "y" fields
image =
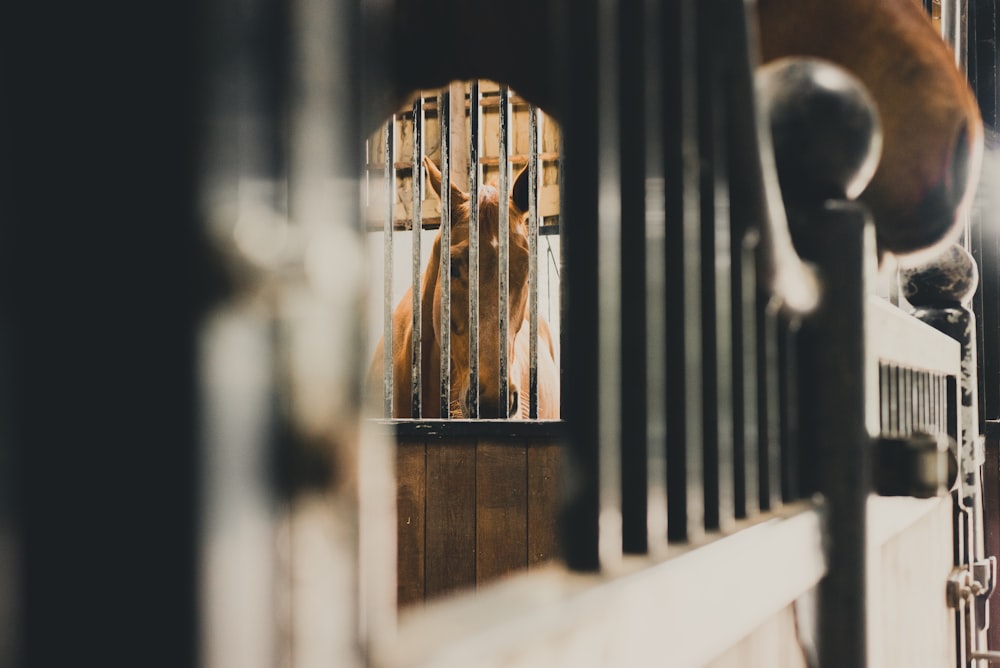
{"x": 838, "y": 376}
{"x": 503, "y": 232}
{"x": 417, "y": 228}
{"x": 475, "y": 116}
{"x": 388, "y": 157}
{"x": 533, "y": 263}
{"x": 444, "y": 114}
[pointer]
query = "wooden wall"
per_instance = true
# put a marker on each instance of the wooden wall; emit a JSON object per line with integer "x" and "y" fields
{"x": 549, "y": 148}
{"x": 471, "y": 509}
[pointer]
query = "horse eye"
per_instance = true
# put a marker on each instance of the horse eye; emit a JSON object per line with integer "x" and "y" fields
{"x": 456, "y": 270}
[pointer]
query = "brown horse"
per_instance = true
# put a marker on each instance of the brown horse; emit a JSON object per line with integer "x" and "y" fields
{"x": 932, "y": 129}
{"x": 518, "y": 340}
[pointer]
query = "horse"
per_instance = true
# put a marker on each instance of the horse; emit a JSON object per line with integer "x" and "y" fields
{"x": 933, "y": 133}
{"x": 518, "y": 339}
{"x": 932, "y": 130}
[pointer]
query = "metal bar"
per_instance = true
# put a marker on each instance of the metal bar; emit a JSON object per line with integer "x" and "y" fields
{"x": 748, "y": 426}
{"x": 533, "y": 263}
{"x": 387, "y": 262}
{"x": 797, "y": 476}
{"x": 883, "y": 396}
{"x": 840, "y": 239}
{"x": 770, "y": 455}
{"x": 634, "y": 146}
{"x": 684, "y": 337}
{"x": 444, "y": 119}
{"x": 417, "y": 188}
{"x": 655, "y": 260}
{"x": 906, "y": 400}
{"x": 503, "y": 232}
{"x": 954, "y": 29}
{"x": 925, "y": 401}
{"x": 713, "y": 287}
{"x": 583, "y": 520}
{"x": 475, "y": 115}
{"x": 894, "y": 407}
{"x": 458, "y": 136}
{"x": 609, "y": 283}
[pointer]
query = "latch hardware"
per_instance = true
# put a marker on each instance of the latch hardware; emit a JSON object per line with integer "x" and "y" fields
{"x": 965, "y": 585}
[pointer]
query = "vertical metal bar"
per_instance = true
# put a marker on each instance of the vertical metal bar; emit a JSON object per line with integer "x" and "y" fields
{"x": 609, "y": 282}
{"x": 458, "y": 135}
{"x": 656, "y": 368}
{"x": 533, "y": 263}
{"x": 905, "y": 401}
{"x": 918, "y": 400}
{"x": 796, "y": 476}
{"x": 771, "y": 374}
{"x": 749, "y": 427}
{"x": 722, "y": 267}
{"x": 444, "y": 119}
{"x": 416, "y": 229}
{"x": 591, "y": 517}
{"x": 954, "y": 29}
{"x": 235, "y": 358}
{"x": 475, "y": 114}
{"x": 840, "y": 239}
{"x": 715, "y": 283}
{"x": 634, "y": 146}
{"x": 883, "y": 405}
{"x": 387, "y": 262}
{"x": 894, "y": 400}
{"x": 925, "y": 398}
{"x": 684, "y": 337}
{"x": 503, "y": 232}
{"x": 321, "y": 354}
{"x": 655, "y": 250}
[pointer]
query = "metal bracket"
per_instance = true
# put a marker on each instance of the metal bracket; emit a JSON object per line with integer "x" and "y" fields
{"x": 965, "y": 586}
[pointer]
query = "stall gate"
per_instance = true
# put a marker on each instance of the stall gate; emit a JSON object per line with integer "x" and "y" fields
{"x": 722, "y": 421}
{"x": 765, "y": 455}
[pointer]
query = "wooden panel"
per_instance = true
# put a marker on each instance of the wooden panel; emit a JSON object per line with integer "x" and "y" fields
{"x": 916, "y": 625}
{"x": 774, "y": 645}
{"x": 411, "y": 478}
{"x": 501, "y": 529}
{"x": 451, "y": 518}
{"x": 543, "y": 502}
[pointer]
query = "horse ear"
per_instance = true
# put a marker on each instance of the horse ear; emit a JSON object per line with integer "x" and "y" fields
{"x": 434, "y": 174}
{"x": 519, "y": 191}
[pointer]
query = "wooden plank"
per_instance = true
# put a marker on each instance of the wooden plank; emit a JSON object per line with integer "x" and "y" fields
{"x": 914, "y": 624}
{"x": 450, "y": 530}
{"x": 502, "y": 507}
{"x": 660, "y": 609}
{"x": 411, "y": 477}
{"x": 543, "y": 502}
{"x": 775, "y": 644}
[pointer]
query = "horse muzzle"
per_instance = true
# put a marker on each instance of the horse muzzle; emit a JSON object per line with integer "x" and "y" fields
{"x": 489, "y": 403}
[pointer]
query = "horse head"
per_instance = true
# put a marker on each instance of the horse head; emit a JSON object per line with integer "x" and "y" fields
{"x": 932, "y": 130}
{"x": 462, "y": 394}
